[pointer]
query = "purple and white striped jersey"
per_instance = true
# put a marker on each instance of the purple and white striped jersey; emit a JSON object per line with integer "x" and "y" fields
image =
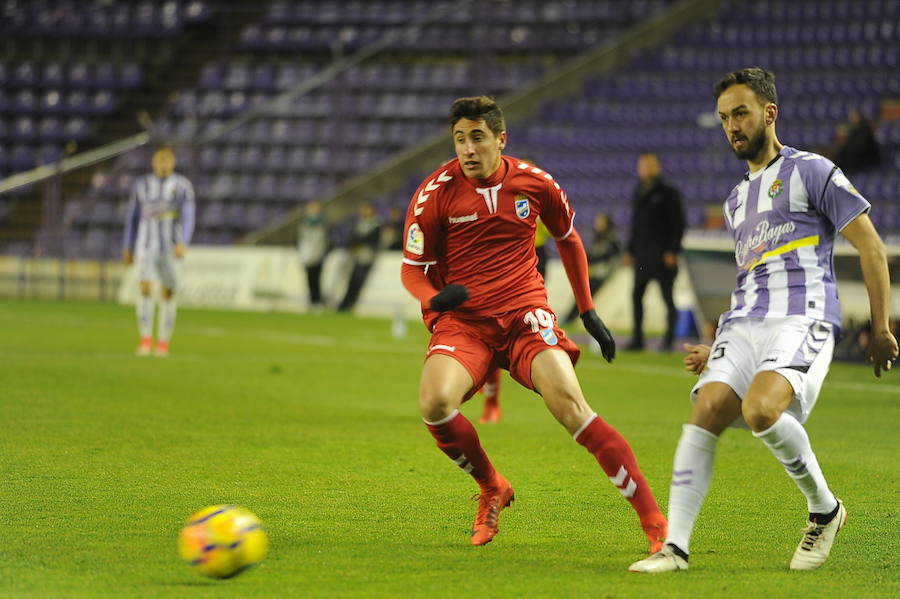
{"x": 160, "y": 214}
{"x": 784, "y": 219}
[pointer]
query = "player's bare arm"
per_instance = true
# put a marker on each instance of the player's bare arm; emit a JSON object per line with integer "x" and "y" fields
{"x": 696, "y": 358}
{"x": 179, "y": 250}
{"x": 127, "y": 256}
{"x": 862, "y": 235}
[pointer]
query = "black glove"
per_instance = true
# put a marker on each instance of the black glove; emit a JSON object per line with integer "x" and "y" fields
{"x": 449, "y": 297}
{"x": 598, "y": 331}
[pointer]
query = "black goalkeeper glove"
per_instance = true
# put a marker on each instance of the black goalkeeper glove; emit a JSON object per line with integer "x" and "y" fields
{"x": 598, "y": 331}
{"x": 449, "y": 297}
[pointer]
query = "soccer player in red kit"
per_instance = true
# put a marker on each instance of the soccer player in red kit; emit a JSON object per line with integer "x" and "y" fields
{"x": 469, "y": 258}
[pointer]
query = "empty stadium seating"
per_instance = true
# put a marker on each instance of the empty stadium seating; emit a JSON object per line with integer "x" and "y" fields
{"x": 828, "y": 61}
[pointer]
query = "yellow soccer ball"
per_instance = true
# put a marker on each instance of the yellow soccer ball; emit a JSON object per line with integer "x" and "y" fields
{"x": 222, "y": 541}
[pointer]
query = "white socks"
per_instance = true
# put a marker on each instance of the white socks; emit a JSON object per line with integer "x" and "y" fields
{"x": 691, "y": 475}
{"x": 788, "y": 441}
{"x": 145, "y": 307}
{"x": 167, "y": 310}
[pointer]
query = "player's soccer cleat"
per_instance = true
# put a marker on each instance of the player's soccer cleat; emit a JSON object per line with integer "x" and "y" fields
{"x": 144, "y": 347}
{"x": 490, "y": 503}
{"x": 162, "y": 349}
{"x": 664, "y": 560}
{"x": 491, "y": 413}
{"x": 656, "y": 527}
{"x": 817, "y": 539}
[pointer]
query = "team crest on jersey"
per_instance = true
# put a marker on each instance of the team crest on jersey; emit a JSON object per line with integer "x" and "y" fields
{"x": 549, "y": 336}
{"x": 523, "y": 207}
{"x": 415, "y": 240}
{"x": 776, "y": 188}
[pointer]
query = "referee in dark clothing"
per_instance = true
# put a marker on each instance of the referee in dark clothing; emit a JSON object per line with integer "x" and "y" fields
{"x": 657, "y": 226}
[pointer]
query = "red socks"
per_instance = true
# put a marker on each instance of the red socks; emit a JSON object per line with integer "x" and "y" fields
{"x": 617, "y": 460}
{"x": 457, "y": 438}
{"x": 491, "y": 388}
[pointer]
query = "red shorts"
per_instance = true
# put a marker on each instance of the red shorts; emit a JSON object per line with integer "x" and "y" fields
{"x": 509, "y": 341}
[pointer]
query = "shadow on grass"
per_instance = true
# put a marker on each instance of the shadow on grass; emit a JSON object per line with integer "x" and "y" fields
{"x": 185, "y": 583}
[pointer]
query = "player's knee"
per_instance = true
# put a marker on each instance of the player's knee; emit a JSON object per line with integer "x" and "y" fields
{"x": 437, "y": 404}
{"x": 568, "y": 406}
{"x": 715, "y": 410}
{"x": 145, "y": 288}
{"x": 759, "y": 415}
{"x": 168, "y": 293}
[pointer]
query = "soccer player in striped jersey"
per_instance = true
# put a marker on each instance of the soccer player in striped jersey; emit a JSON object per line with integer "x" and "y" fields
{"x": 773, "y": 347}
{"x": 158, "y": 228}
{"x": 469, "y": 258}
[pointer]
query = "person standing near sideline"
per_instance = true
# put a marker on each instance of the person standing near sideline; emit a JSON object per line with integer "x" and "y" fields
{"x": 774, "y": 346}
{"x": 158, "y": 229}
{"x": 657, "y": 226}
{"x": 312, "y": 245}
{"x": 365, "y": 241}
{"x": 469, "y": 259}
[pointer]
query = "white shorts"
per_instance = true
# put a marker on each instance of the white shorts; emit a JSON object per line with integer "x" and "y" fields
{"x": 157, "y": 266}
{"x": 797, "y": 347}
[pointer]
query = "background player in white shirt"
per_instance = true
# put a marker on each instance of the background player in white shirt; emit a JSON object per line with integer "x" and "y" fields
{"x": 774, "y": 346}
{"x": 158, "y": 228}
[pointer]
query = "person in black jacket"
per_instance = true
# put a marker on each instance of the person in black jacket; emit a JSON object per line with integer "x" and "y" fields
{"x": 364, "y": 245}
{"x": 657, "y": 225}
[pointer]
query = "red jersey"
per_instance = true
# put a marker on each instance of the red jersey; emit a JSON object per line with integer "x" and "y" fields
{"x": 480, "y": 233}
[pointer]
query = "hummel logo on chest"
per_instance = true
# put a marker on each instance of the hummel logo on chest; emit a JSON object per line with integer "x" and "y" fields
{"x": 463, "y": 219}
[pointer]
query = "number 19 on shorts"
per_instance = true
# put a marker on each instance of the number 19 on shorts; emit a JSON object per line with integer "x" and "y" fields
{"x": 542, "y": 322}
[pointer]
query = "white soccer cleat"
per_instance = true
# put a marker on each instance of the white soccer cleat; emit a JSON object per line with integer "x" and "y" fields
{"x": 817, "y": 540}
{"x": 664, "y": 560}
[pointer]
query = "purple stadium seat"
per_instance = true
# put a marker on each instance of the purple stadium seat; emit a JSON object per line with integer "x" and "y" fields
{"x": 130, "y": 75}
{"x": 212, "y": 76}
{"x": 21, "y": 157}
{"x": 212, "y": 103}
{"x": 53, "y": 74}
{"x": 231, "y": 158}
{"x": 262, "y": 78}
{"x": 23, "y": 129}
{"x": 275, "y": 159}
{"x": 104, "y": 76}
{"x": 24, "y": 102}
{"x": 52, "y": 102}
{"x": 209, "y": 157}
{"x": 25, "y": 74}
{"x": 237, "y": 76}
{"x": 144, "y": 20}
{"x": 251, "y": 158}
{"x": 78, "y": 102}
{"x": 102, "y": 102}
{"x": 212, "y": 214}
{"x": 186, "y": 103}
{"x": 259, "y": 131}
{"x": 80, "y": 75}
{"x": 267, "y": 187}
{"x": 77, "y": 129}
{"x": 221, "y": 185}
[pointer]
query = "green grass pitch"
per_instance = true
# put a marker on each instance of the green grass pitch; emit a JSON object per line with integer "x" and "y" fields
{"x": 311, "y": 422}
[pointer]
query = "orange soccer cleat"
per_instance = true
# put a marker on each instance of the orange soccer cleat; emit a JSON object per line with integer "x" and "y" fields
{"x": 656, "y": 528}
{"x": 490, "y": 503}
{"x": 162, "y": 349}
{"x": 144, "y": 347}
{"x": 491, "y": 412}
